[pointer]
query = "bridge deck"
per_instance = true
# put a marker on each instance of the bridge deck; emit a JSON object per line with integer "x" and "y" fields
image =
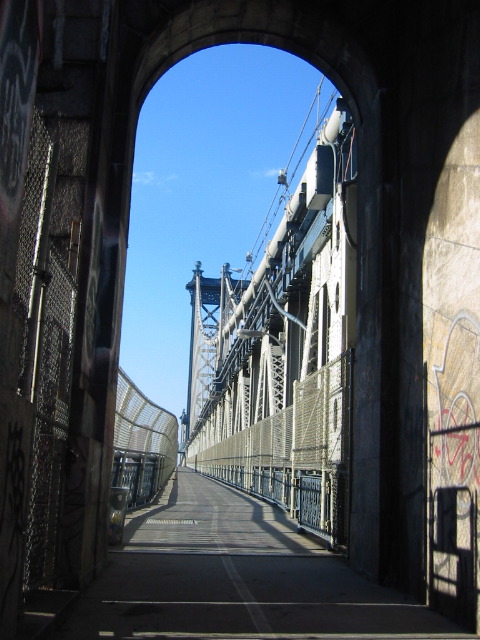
{"x": 209, "y": 562}
{"x": 203, "y": 516}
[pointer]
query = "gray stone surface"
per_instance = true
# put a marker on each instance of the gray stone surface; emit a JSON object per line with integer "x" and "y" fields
{"x": 211, "y": 562}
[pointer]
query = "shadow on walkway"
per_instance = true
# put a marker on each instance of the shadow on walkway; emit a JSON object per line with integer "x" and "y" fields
{"x": 208, "y": 562}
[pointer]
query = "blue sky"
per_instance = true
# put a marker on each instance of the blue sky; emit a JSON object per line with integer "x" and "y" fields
{"x": 212, "y": 136}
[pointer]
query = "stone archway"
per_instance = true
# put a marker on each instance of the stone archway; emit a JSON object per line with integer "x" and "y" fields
{"x": 374, "y": 57}
{"x": 320, "y": 40}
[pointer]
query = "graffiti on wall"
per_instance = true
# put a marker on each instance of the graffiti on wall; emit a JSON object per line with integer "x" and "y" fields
{"x": 455, "y": 472}
{"x": 12, "y": 515}
{"x": 91, "y": 302}
{"x": 18, "y": 59}
{"x": 72, "y": 519}
{"x": 457, "y": 447}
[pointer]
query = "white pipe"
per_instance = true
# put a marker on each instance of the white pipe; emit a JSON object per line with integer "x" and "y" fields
{"x": 326, "y": 136}
{"x": 329, "y": 132}
{"x": 272, "y": 248}
{"x": 295, "y": 201}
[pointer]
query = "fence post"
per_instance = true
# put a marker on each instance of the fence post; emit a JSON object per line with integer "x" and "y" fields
{"x": 141, "y": 474}
{"x": 122, "y": 469}
{"x": 158, "y": 473}
{"x": 293, "y": 488}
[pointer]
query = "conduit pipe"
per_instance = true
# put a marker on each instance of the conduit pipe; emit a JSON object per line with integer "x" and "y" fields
{"x": 280, "y": 309}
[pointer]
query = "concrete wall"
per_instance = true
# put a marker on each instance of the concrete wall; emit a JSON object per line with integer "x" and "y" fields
{"x": 440, "y": 177}
{"x": 18, "y": 68}
{"x": 75, "y": 96}
{"x": 437, "y": 190}
{"x": 410, "y": 72}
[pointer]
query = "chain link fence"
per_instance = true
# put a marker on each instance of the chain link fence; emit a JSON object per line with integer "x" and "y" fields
{"x": 145, "y": 443}
{"x": 44, "y": 300}
{"x": 31, "y": 227}
{"x": 52, "y": 399}
{"x": 298, "y": 458}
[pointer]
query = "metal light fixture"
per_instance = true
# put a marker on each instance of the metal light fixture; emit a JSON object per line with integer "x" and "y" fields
{"x": 282, "y": 177}
{"x": 245, "y": 334}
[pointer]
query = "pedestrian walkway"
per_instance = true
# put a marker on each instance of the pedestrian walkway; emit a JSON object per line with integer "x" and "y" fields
{"x": 210, "y": 562}
{"x": 202, "y": 516}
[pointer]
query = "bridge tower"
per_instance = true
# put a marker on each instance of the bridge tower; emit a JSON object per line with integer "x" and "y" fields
{"x": 212, "y": 300}
{"x": 206, "y": 301}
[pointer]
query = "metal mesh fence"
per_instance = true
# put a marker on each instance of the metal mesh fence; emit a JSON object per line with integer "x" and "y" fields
{"x": 51, "y": 424}
{"x": 322, "y": 414}
{"x": 31, "y": 220}
{"x": 320, "y": 439}
{"x": 51, "y": 427}
{"x": 309, "y": 441}
{"x": 53, "y": 399}
{"x": 44, "y": 507}
{"x": 266, "y": 443}
{"x": 46, "y": 303}
{"x": 142, "y": 426}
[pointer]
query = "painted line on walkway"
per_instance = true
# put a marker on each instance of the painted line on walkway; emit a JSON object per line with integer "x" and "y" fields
{"x": 300, "y": 636}
{"x": 266, "y": 604}
{"x": 148, "y": 548}
{"x": 254, "y": 609}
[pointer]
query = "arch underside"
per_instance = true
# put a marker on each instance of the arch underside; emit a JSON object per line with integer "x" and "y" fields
{"x": 412, "y": 85}
{"x": 369, "y": 56}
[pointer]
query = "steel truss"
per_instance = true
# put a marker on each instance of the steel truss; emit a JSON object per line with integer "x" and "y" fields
{"x": 275, "y": 417}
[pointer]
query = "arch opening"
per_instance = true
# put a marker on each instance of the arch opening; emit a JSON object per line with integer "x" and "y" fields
{"x": 350, "y": 70}
{"x": 412, "y": 86}
{"x": 337, "y": 152}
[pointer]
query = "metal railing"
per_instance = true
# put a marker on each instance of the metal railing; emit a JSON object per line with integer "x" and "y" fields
{"x": 145, "y": 444}
{"x": 298, "y": 458}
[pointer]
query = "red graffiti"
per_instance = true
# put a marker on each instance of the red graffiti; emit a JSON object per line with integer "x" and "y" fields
{"x": 459, "y": 449}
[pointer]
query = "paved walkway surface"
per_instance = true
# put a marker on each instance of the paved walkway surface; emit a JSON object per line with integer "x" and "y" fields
{"x": 210, "y": 562}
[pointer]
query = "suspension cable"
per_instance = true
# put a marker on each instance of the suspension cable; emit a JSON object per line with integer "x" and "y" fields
{"x": 269, "y": 218}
